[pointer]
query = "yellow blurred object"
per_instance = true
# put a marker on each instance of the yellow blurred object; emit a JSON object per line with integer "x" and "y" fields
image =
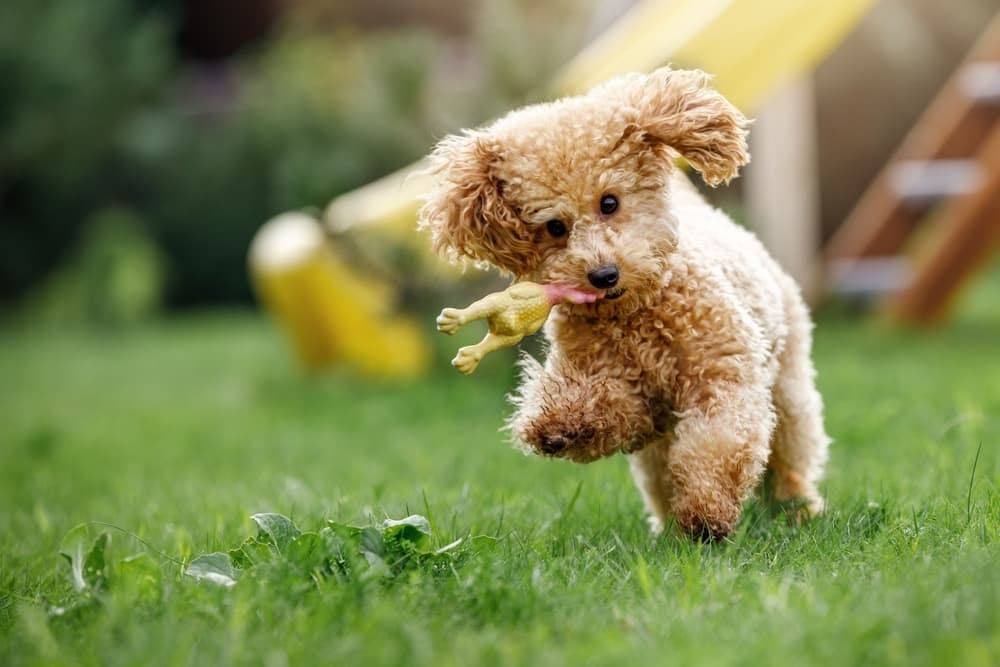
{"x": 365, "y": 205}
{"x": 387, "y": 208}
{"x": 750, "y": 46}
{"x": 330, "y": 313}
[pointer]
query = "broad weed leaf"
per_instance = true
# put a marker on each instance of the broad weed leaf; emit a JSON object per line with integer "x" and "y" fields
{"x": 349, "y": 534}
{"x": 95, "y": 566}
{"x": 74, "y": 548}
{"x": 415, "y": 520}
{"x": 344, "y": 552}
{"x": 308, "y": 551}
{"x": 138, "y": 578}
{"x": 343, "y": 545}
{"x": 279, "y": 528}
{"x": 216, "y": 568}
{"x": 252, "y": 552}
{"x": 372, "y": 546}
{"x": 411, "y": 533}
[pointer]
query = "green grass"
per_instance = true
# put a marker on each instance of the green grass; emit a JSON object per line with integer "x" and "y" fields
{"x": 179, "y": 431}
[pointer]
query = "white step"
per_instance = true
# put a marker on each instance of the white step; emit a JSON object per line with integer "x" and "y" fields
{"x": 869, "y": 276}
{"x": 922, "y": 182}
{"x": 981, "y": 81}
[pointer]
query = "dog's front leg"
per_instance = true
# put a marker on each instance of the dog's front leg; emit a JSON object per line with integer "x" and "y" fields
{"x": 717, "y": 457}
{"x": 568, "y": 411}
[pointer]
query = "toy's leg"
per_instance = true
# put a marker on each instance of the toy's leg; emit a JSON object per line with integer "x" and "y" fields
{"x": 452, "y": 319}
{"x": 566, "y": 412}
{"x": 717, "y": 458}
{"x": 468, "y": 357}
{"x": 799, "y": 446}
{"x": 652, "y": 477}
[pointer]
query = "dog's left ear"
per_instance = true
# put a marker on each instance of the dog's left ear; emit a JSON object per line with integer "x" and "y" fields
{"x": 680, "y": 109}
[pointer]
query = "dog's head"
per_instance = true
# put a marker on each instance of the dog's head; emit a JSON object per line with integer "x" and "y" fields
{"x": 575, "y": 192}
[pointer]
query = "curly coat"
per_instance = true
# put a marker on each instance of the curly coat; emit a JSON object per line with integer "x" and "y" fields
{"x": 697, "y": 362}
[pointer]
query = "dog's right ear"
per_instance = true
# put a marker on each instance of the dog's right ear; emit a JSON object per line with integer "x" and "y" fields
{"x": 466, "y": 212}
{"x": 680, "y": 110}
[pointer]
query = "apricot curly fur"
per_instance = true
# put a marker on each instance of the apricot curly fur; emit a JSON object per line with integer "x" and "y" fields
{"x": 699, "y": 369}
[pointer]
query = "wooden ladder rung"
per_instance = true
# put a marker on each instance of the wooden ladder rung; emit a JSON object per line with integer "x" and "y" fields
{"x": 922, "y": 182}
{"x": 969, "y": 230}
{"x": 869, "y": 276}
{"x": 980, "y": 81}
{"x": 952, "y": 154}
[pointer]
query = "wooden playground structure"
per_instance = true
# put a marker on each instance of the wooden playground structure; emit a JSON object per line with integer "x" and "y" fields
{"x": 947, "y": 172}
{"x": 932, "y": 216}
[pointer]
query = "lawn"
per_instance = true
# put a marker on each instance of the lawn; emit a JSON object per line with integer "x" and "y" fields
{"x": 178, "y": 431}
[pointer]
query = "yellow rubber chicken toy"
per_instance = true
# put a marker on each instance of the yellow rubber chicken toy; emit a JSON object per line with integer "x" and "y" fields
{"x": 518, "y": 311}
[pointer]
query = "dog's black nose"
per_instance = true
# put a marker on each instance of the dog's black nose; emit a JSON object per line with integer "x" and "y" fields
{"x": 604, "y": 277}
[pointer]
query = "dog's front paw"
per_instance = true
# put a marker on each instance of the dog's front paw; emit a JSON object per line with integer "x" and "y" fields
{"x": 450, "y": 320}
{"x": 578, "y": 416}
{"x": 709, "y": 519}
{"x": 568, "y": 433}
{"x": 557, "y": 443}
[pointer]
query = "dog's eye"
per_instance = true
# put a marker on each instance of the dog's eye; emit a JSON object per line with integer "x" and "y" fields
{"x": 556, "y": 228}
{"x": 609, "y": 204}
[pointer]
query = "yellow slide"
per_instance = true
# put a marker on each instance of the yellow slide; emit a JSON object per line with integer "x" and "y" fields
{"x": 750, "y": 46}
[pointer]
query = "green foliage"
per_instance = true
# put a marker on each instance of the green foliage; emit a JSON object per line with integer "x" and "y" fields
{"x": 280, "y": 555}
{"x": 74, "y": 74}
{"x": 115, "y": 276}
{"x": 338, "y": 551}
{"x": 313, "y": 115}
{"x": 104, "y": 117}
{"x": 101, "y": 115}
{"x": 521, "y": 43}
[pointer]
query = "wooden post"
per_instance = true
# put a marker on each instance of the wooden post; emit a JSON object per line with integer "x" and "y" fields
{"x": 782, "y": 181}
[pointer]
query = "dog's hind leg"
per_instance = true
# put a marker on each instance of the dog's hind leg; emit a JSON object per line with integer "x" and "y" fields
{"x": 652, "y": 477}
{"x": 799, "y": 444}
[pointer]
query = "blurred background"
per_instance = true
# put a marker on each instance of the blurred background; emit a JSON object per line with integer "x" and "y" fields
{"x": 144, "y": 142}
{"x": 172, "y": 362}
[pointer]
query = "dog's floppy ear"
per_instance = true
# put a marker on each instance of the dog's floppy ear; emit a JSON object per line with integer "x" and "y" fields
{"x": 466, "y": 212}
{"x": 680, "y": 109}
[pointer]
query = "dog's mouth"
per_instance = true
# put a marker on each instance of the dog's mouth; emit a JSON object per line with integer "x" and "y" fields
{"x": 613, "y": 294}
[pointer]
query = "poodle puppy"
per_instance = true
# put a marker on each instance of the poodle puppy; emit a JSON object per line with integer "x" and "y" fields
{"x": 695, "y": 361}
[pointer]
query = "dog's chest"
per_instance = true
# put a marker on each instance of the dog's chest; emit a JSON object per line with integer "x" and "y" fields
{"x": 639, "y": 349}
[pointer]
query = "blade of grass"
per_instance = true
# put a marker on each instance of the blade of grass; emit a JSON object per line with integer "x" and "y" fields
{"x": 972, "y": 479}
{"x": 140, "y": 540}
